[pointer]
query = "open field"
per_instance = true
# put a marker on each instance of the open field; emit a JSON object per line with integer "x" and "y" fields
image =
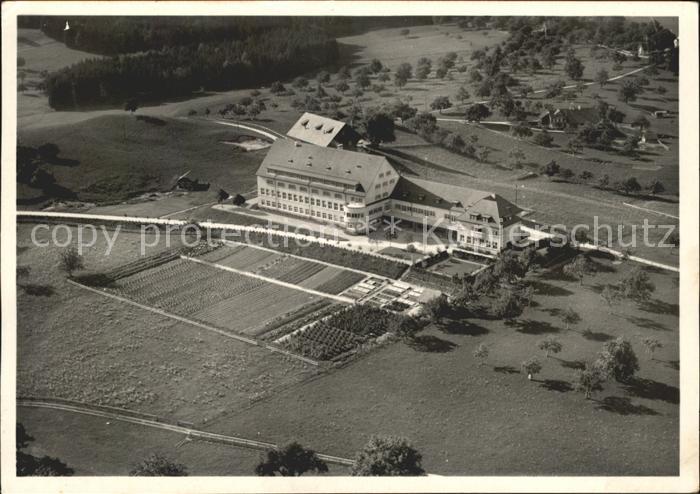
{"x": 466, "y": 418}
{"x": 94, "y": 446}
{"x": 123, "y": 156}
{"x": 78, "y": 345}
{"x": 41, "y": 53}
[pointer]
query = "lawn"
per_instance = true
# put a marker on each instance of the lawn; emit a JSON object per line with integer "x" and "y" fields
{"x": 123, "y": 156}
{"x": 79, "y": 345}
{"x": 489, "y": 419}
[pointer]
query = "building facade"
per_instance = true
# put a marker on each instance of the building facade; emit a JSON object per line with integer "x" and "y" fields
{"x": 357, "y": 191}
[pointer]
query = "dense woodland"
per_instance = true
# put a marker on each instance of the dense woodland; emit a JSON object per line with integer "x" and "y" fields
{"x": 155, "y": 58}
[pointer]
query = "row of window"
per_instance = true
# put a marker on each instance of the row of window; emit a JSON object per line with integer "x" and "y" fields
{"x": 480, "y": 241}
{"x": 384, "y": 184}
{"x": 303, "y": 199}
{"x": 415, "y": 210}
{"x": 300, "y": 210}
{"x": 305, "y": 177}
{"x": 324, "y": 193}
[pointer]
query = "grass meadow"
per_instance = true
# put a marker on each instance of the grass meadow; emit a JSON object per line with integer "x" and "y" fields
{"x": 78, "y": 345}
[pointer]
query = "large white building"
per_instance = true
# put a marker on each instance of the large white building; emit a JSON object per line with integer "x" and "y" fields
{"x": 356, "y": 189}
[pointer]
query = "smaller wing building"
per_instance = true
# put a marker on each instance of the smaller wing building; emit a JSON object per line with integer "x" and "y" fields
{"x": 324, "y": 132}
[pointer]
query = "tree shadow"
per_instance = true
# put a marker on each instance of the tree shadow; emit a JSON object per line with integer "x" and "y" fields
{"x": 623, "y": 406}
{"x": 549, "y": 290}
{"x": 673, "y": 364}
{"x": 646, "y": 323}
{"x": 464, "y": 328}
{"x": 37, "y": 290}
{"x": 572, "y": 364}
{"x": 557, "y": 385}
{"x": 431, "y": 344}
{"x": 653, "y": 390}
{"x": 528, "y": 326}
{"x": 596, "y": 336}
{"x": 506, "y": 369}
{"x": 659, "y": 307}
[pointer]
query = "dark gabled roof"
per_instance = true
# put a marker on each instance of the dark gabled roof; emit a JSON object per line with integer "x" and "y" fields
{"x": 348, "y": 167}
{"x": 580, "y": 116}
{"x": 316, "y": 129}
{"x": 452, "y": 197}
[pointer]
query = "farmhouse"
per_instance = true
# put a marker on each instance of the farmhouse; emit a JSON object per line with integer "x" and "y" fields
{"x": 356, "y": 190}
{"x": 323, "y": 131}
{"x": 562, "y": 118}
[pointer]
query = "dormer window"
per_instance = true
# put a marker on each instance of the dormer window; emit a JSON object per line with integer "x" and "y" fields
{"x": 318, "y": 127}
{"x": 305, "y": 124}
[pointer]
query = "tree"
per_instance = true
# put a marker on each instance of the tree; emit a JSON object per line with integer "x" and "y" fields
{"x": 573, "y": 67}
{"x": 589, "y": 379}
{"x": 604, "y": 182}
{"x": 292, "y": 460}
{"x": 362, "y": 77}
{"x": 585, "y": 175}
{"x": 637, "y": 285}
{"x": 631, "y": 185}
{"x": 570, "y": 316}
{"x": 463, "y": 94}
{"x": 550, "y": 345}
{"x": 401, "y": 110}
{"x": 610, "y": 294}
{"x": 277, "y": 87}
{"x": 629, "y": 147}
{"x": 551, "y": 168}
{"x": 387, "y": 456}
{"x": 131, "y": 105}
{"x": 29, "y": 465}
{"x": 618, "y": 359}
{"x": 441, "y": 103}
{"x": 221, "y": 196}
{"x": 48, "y": 151}
{"x": 532, "y": 367}
{"x": 655, "y": 187}
{"x": 403, "y": 326}
{"x": 651, "y": 345}
{"x": 477, "y": 112}
{"x": 521, "y": 130}
{"x": 376, "y": 66}
{"x": 481, "y": 352}
{"x": 156, "y": 465}
{"x": 507, "y": 305}
{"x": 323, "y": 77}
{"x": 543, "y": 139}
{"x": 403, "y": 74}
{"x": 602, "y": 77}
{"x": 641, "y": 122}
{"x": 300, "y": 82}
{"x": 580, "y": 266}
{"x": 437, "y": 308}
{"x": 378, "y": 126}
{"x": 423, "y": 68}
{"x": 629, "y": 90}
{"x": 71, "y": 260}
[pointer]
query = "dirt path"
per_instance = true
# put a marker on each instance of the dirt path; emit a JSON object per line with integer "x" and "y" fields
{"x": 191, "y": 433}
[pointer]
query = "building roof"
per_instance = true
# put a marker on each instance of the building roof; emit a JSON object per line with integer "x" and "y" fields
{"x": 449, "y": 197}
{"x": 344, "y": 166}
{"x": 316, "y": 129}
